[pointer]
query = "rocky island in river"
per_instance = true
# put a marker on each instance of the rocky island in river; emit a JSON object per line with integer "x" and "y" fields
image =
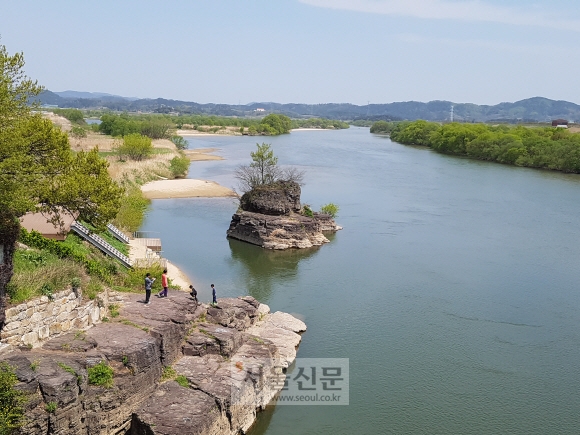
{"x": 271, "y": 216}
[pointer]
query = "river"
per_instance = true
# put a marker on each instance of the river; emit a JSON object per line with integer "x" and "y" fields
{"x": 453, "y": 288}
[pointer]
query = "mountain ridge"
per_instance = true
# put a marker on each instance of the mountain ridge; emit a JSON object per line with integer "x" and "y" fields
{"x": 534, "y": 109}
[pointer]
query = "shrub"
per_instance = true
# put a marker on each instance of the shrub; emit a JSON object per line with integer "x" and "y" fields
{"x": 78, "y": 132}
{"x": 73, "y": 115}
{"x": 307, "y": 211}
{"x": 12, "y": 401}
{"x": 101, "y": 375}
{"x": 179, "y": 142}
{"x": 50, "y": 407}
{"x": 179, "y": 166}
{"x": 136, "y": 147}
{"x": 132, "y": 211}
{"x": 331, "y": 209}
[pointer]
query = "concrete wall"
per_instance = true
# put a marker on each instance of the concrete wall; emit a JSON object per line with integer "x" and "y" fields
{"x": 33, "y": 322}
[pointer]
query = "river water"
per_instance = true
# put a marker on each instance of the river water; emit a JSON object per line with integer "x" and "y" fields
{"x": 453, "y": 288}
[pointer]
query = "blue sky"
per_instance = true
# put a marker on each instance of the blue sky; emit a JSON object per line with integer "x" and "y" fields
{"x": 301, "y": 51}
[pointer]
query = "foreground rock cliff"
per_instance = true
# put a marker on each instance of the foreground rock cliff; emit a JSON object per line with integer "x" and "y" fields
{"x": 272, "y": 217}
{"x": 172, "y": 338}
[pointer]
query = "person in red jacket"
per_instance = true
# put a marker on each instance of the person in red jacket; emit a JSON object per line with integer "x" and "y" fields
{"x": 164, "y": 284}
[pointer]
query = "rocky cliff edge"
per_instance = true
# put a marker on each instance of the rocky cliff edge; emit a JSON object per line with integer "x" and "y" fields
{"x": 222, "y": 356}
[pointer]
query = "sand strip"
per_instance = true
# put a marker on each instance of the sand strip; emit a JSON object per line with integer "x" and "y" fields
{"x": 184, "y": 188}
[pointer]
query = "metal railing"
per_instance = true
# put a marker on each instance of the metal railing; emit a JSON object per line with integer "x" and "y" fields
{"x": 100, "y": 243}
{"x": 118, "y": 234}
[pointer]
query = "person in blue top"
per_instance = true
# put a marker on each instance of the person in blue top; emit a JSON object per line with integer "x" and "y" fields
{"x": 213, "y": 294}
{"x": 148, "y": 283}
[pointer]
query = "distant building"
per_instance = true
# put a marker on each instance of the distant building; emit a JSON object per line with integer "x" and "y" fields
{"x": 259, "y": 109}
{"x": 562, "y": 123}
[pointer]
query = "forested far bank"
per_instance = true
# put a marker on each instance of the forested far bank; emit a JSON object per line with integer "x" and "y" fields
{"x": 541, "y": 147}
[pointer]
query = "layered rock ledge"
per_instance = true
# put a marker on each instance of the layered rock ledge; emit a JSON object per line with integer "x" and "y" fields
{"x": 222, "y": 356}
{"x": 272, "y": 217}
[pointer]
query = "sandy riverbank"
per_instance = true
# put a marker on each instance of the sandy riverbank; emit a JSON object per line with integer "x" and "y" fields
{"x": 185, "y": 188}
{"x": 202, "y": 154}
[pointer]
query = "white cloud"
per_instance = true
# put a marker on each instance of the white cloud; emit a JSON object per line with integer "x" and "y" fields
{"x": 470, "y": 10}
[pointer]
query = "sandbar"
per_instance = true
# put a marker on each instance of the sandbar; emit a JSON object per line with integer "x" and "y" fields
{"x": 185, "y": 188}
{"x": 201, "y": 154}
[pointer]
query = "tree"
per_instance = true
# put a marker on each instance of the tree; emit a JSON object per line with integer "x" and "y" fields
{"x": 264, "y": 170}
{"x": 265, "y": 163}
{"x": 38, "y": 170}
{"x": 276, "y": 124}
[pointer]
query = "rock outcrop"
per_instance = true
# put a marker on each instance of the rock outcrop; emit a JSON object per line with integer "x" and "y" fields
{"x": 270, "y": 217}
{"x": 222, "y": 355}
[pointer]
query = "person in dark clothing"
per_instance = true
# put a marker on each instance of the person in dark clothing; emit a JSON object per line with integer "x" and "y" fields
{"x": 148, "y": 283}
{"x": 193, "y": 294}
{"x": 213, "y": 294}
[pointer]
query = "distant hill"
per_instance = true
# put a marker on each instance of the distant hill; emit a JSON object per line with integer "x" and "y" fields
{"x": 92, "y": 96}
{"x": 535, "y": 109}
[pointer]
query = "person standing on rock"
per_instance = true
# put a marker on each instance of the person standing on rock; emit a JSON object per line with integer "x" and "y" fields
{"x": 148, "y": 283}
{"x": 193, "y": 293}
{"x": 213, "y": 294}
{"x": 164, "y": 284}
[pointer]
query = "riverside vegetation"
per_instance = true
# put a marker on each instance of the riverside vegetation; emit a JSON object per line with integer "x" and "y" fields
{"x": 39, "y": 171}
{"x": 538, "y": 147}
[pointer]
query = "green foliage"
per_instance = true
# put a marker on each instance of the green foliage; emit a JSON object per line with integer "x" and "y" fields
{"x": 331, "y": 209}
{"x": 62, "y": 250}
{"x": 154, "y": 127}
{"x": 182, "y": 380}
{"x": 548, "y": 148}
{"x": 264, "y": 161}
{"x": 319, "y": 123}
{"x": 12, "y": 401}
{"x": 114, "y": 310}
{"x": 382, "y": 127}
{"x": 51, "y": 407}
{"x": 73, "y": 115}
{"x": 78, "y": 132}
{"x": 168, "y": 373}
{"x": 75, "y": 282}
{"x": 136, "y": 147}
{"x": 132, "y": 211}
{"x": 274, "y": 124}
{"x": 101, "y": 375}
{"x": 307, "y": 211}
{"x": 179, "y": 166}
{"x": 93, "y": 289}
{"x": 46, "y": 290}
{"x": 35, "y": 278}
{"x": 179, "y": 142}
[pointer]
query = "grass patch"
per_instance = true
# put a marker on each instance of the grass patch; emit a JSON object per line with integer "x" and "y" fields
{"x": 101, "y": 375}
{"x": 94, "y": 287}
{"x": 51, "y": 407}
{"x": 168, "y": 374}
{"x": 12, "y": 401}
{"x": 182, "y": 380}
{"x": 38, "y": 273}
{"x": 129, "y": 323}
{"x": 114, "y": 310}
